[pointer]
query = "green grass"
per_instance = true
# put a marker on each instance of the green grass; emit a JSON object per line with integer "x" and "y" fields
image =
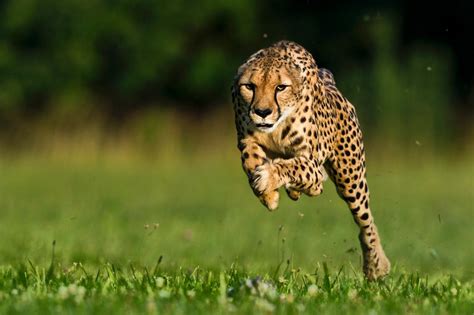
{"x": 220, "y": 250}
{"x": 28, "y": 289}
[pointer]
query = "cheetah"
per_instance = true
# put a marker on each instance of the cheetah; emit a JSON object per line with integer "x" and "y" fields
{"x": 295, "y": 129}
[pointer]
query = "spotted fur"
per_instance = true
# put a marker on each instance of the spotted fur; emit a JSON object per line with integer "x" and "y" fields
{"x": 293, "y": 128}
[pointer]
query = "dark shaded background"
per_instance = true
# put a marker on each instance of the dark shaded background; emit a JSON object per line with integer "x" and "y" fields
{"x": 403, "y": 63}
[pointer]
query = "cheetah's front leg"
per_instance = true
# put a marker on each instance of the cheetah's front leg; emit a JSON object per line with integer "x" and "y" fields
{"x": 296, "y": 174}
{"x": 252, "y": 157}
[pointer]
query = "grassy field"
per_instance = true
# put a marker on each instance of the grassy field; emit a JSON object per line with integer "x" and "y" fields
{"x": 188, "y": 236}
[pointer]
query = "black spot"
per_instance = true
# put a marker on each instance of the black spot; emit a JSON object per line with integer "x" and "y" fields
{"x": 308, "y": 176}
{"x": 350, "y": 199}
{"x": 358, "y": 195}
{"x": 353, "y": 147}
{"x": 307, "y": 98}
{"x": 365, "y": 216}
{"x": 285, "y": 131}
{"x": 303, "y": 119}
{"x": 355, "y": 210}
{"x": 361, "y": 185}
{"x": 297, "y": 141}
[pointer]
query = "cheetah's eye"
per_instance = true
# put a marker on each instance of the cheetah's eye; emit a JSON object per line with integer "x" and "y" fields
{"x": 249, "y": 86}
{"x": 281, "y": 87}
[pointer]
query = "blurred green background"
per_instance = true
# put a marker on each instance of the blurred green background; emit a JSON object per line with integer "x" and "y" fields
{"x": 116, "y": 115}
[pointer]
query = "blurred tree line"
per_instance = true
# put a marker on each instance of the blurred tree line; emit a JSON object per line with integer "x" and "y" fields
{"x": 403, "y": 64}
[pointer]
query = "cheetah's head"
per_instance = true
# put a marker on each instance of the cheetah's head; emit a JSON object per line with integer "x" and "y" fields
{"x": 268, "y": 91}
{"x": 268, "y": 86}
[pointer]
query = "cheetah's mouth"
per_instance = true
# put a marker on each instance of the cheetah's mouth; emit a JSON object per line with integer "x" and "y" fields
{"x": 264, "y": 126}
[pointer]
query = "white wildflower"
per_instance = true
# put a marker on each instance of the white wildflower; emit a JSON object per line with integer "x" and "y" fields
{"x": 191, "y": 293}
{"x": 63, "y": 292}
{"x": 72, "y": 288}
{"x": 248, "y": 283}
{"x": 454, "y": 291}
{"x": 164, "y": 294}
{"x": 160, "y": 282}
{"x": 263, "y": 288}
{"x": 352, "y": 294}
{"x": 80, "y": 292}
{"x": 313, "y": 290}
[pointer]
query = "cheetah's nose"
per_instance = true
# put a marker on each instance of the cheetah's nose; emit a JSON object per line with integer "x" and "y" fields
{"x": 263, "y": 112}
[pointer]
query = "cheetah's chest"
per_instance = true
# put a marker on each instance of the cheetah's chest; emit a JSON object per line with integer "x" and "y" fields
{"x": 295, "y": 133}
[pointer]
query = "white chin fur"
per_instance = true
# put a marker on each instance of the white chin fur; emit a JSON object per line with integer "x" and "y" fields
{"x": 283, "y": 116}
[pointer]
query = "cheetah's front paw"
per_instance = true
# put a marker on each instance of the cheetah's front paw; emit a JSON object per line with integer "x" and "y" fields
{"x": 270, "y": 199}
{"x": 265, "y": 184}
{"x": 265, "y": 178}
